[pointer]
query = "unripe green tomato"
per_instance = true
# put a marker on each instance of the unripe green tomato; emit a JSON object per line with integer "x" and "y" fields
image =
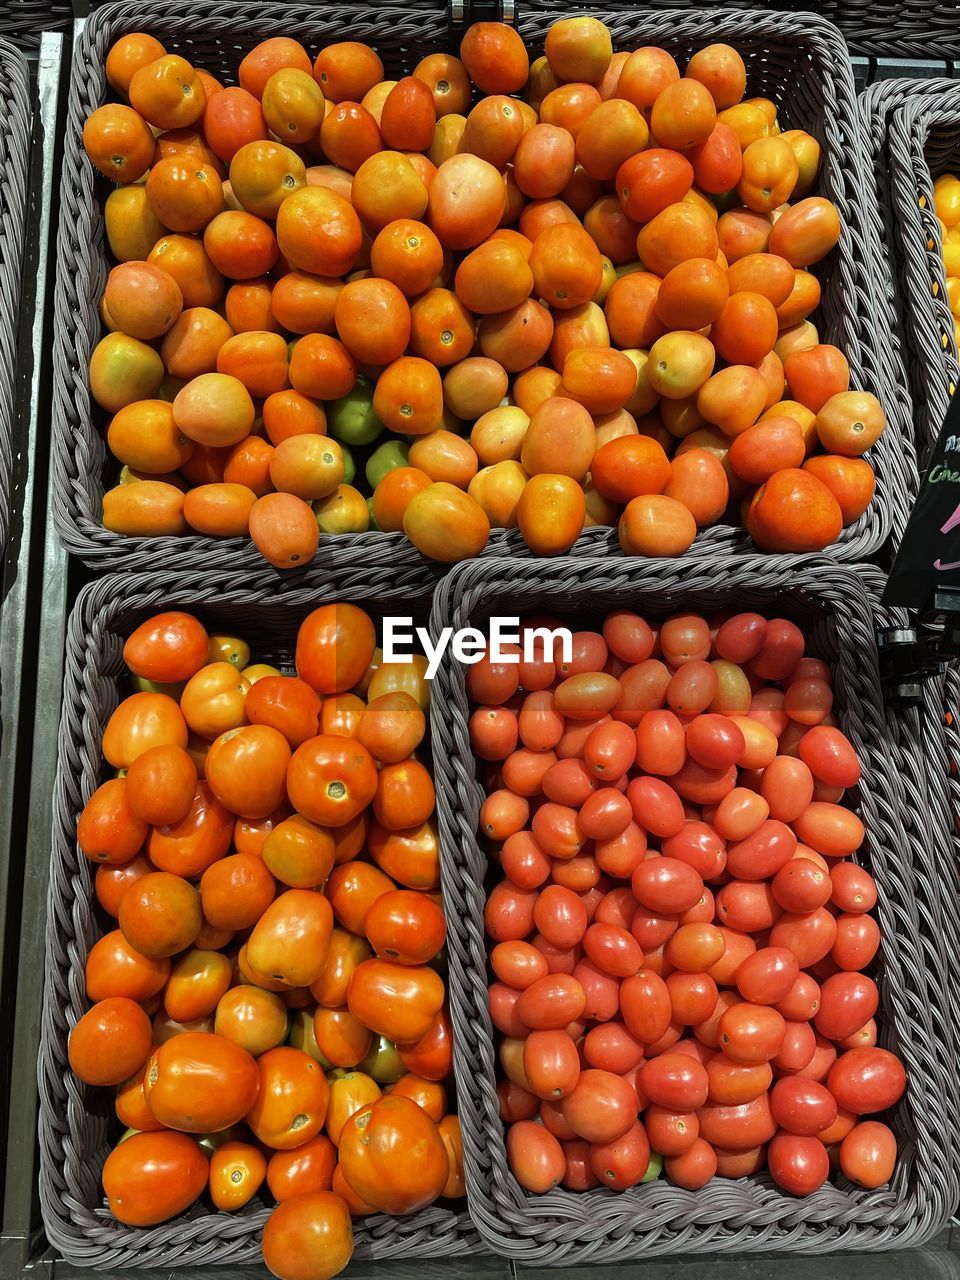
{"x": 351, "y": 419}
{"x": 382, "y": 1062}
{"x": 386, "y": 457}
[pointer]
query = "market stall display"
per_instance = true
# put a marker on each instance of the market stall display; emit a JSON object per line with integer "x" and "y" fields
{"x": 804, "y": 73}
{"x": 833, "y": 609}
{"x": 226, "y": 871}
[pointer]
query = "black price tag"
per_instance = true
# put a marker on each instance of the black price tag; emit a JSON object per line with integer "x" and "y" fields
{"x": 929, "y": 557}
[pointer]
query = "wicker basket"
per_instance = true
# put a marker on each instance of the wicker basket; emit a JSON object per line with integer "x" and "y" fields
{"x": 923, "y": 141}
{"x": 77, "y": 1125}
{"x": 837, "y": 609}
{"x": 15, "y": 125}
{"x": 24, "y": 21}
{"x": 872, "y": 28}
{"x": 800, "y": 61}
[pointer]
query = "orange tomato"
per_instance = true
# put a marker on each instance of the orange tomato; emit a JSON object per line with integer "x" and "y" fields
{"x": 655, "y": 525}
{"x": 346, "y": 952}
{"x": 200, "y": 1083}
{"x": 197, "y": 980}
{"x": 114, "y": 968}
{"x": 850, "y": 480}
{"x": 397, "y": 1001}
{"x": 699, "y": 482}
{"x": 393, "y": 1156}
{"x": 188, "y": 847}
{"x": 449, "y": 1129}
{"x": 142, "y": 721}
{"x": 252, "y": 1018}
{"x": 408, "y": 397}
{"x": 304, "y": 1169}
{"x": 319, "y": 232}
{"x": 291, "y": 1102}
{"x": 309, "y": 1236}
{"x": 291, "y": 939}
{"x": 794, "y": 511}
{"x": 432, "y": 1055}
{"x": 246, "y": 769}
{"x": 372, "y": 318}
{"x": 445, "y": 523}
{"x": 298, "y": 853}
{"x": 465, "y": 201}
{"x": 231, "y": 119}
{"x": 347, "y": 70}
{"x": 409, "y": 857}
{"x": 108, "y": 830}
{"x": 284, "y": 529}
{"x": 806, "y": 232}
{"x": 237, "y": 1170}
{"x": 406, "y": 927}
{"x": 151, "y": 1177}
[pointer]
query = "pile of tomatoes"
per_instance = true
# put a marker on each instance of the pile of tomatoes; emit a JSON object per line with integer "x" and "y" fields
{"x": 267, "y": 1000}
{"x": 583, "y": 306}
{"x": 946, "y": 204}
{"x": 679, "y": 938}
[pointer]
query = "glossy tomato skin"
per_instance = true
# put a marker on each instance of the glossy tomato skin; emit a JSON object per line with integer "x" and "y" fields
{"x": 151, "y": 1177}
{"x": 393, "y": 1156}
{"x": 799, "y": 1165}
{"x": 291, "y": 1100}
{"x": 535, "y": 1156}
{"x": 237, "y": 1170}
{"x": 331, "y": 780}
{"x": 167, "y": 648}
{"x": 398, "y": 1001}
{"x": 335, "y": 646}
{"x": 308, "y": 1237}
{"x": 291, "y": 940}
{"x": 200, "y": 1083}
{"x": 868, "y": 1154}
{"x": 867, "y": 1080}
{"x": 110, "y": 1042}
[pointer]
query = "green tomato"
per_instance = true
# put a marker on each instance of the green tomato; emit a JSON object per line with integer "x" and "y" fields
{"x": 654, "y": 1168}
{"x": 371, "y": 517}
{"x": 301, "y": 1036}
{"x": 349, "y": 465}
{"x": 142, "y": 685}
{"x": 382, "y": 1062}
{"x": 385, "y": 458}
{"x": 351, "y": 419}
{"x": 210, "y": 1142}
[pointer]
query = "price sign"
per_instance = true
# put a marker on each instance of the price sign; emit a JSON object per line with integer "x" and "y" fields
{"x": 929, "y": 557}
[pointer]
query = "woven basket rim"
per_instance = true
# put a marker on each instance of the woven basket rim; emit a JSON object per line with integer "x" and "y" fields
{"x": 15, "y": 128}
{"x": 74, "y": 1219}
{"x": 78, "y": 447}
{"x": 569, "y": 1228}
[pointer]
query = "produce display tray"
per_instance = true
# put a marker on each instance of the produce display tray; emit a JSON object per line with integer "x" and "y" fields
{"x": 913, "y": 132}
{"x": 77, "y": 1127}
{"x": 798, "y": 60}
{"x": 837, "y": 607}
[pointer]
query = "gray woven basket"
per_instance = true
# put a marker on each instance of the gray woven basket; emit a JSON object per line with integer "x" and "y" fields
{"x": 923, "y": 142}
{"x": 872, "y": 28}
{"x": 15, "y": 126}
{"x": 836, "y": 605}
{"x": 799, "y": 60}
{"x": 77, "y": 1126}
{"x": 23, "y": 21}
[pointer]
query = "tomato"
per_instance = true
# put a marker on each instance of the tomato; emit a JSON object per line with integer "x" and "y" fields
{"x": 768, "y": 975}
{"x": 392, "y": 1155}
{"x": 331, "y": 780}
{"x": 397, "y": 1001}
{"x": 284, "y": 703}
{"x": 666, "y": 885}
{"x": 733, "y": 1083}
{"x": 110, "y": 1042}
{"x": 299, "y": 853}
{"x": 535, "y": 1156}
{"x": 645, "y": 1005}
{"x": 196, "y": 983}
{"x": 751, "y": 1033}
{"x": 867, "y": 1080}
{"x": 252, "y": 1018}
{"x": 602, "y": 1106}
{"x": 341, "y": 1039}
{"x": 550, "y": 1003}
{"x": 335, "y": 646}
{"x": 674, "y": 1081}
{"x": 160, "y": 914}
{"x": 308, "y": 1237}
{"x": 151, "y": 1177}
{"x": 613, "y": 950}
{"x": 200, "y": 1083}
{"x": 798, "y": 1164}
{"x": 551, "y": 1063}
{"x": 235, "y": 891}
{"x": 108, "y": 830}
{"x": 738, "y": 1127}
{"x": 694, "y": 1167}
{"x": 246, "y": 769}
{"x": 237, "y": 1170}
{"x": 847, "y": 1002}
{"x": 291, "y": 940}
{"x": 405, "y": 926}
{"x": 352, "y": 890}
{"x": 830, "y": 756}
{"x": 291, "y": 1102}
{"x": 430, "y": 1056}
{"x": 868, "y": 1154}
{"x": 167, "y": 648}
{"x": 304, "y": 1169}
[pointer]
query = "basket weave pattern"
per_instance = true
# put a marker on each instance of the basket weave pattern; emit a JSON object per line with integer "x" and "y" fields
{"x": 837, "y": 610}
{"x": 77, "y": 1125}
{"x": 800, "y": 61}
{"x": 23, "y": 21}
{"x": 15, "y": 125}
{"x": 923, "y": 142}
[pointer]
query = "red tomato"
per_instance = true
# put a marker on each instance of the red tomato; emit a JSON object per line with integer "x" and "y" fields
{"x": 802, "y": 1106}
{"x": 535, "y": 1156}
{"x": 551, "y": 1063}
{"x": 622, "y": 1162}
{"x": 868, "y": 1154}
{"x": 751, "y": 1032}
{"x": 335, "y": 646}
{"x": 602, "y": 1106}
{"x": 798, "y": 1164}
{"x": 867, "y": 1080}
{"x": 675, "y": 1081}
